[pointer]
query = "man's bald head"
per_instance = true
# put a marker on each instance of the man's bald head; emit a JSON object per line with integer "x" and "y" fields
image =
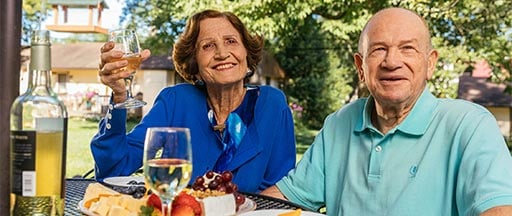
{"x": 394, "y": 16}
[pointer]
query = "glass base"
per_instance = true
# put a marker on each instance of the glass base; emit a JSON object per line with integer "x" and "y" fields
{"x": 130, "y": 103}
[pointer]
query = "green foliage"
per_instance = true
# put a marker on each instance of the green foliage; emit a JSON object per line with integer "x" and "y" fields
{"x": 314, "y": 40}
{"x": 32, "y": 17}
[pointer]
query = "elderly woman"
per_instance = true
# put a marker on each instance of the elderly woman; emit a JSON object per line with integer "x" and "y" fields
{"x": 247, "y": 130}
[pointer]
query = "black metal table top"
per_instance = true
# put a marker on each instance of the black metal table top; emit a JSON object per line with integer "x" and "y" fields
{"x": 75, "y": 190}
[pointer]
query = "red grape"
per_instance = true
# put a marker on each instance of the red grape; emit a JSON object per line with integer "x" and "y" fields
{"x": 227, "y": 176}
{"x": 210, "y": 174}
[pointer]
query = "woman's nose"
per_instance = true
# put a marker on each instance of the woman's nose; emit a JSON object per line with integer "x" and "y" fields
{"x": 221, "y": 52}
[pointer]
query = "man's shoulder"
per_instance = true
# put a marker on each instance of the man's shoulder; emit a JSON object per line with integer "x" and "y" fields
{"x": 460, "y": 106}
{"x": 349, "y": 112}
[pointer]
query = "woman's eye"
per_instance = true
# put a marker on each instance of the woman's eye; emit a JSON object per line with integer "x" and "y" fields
{"x": 208, "y": 46}
{"x": 231, "y": 41}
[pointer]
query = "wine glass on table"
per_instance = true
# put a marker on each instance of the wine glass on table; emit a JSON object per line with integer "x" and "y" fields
{"x": 127, "y": 41}
{"x": 167, "y": 162}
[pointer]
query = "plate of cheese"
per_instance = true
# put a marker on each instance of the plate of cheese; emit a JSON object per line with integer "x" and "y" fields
{"x": 100, "y": 200}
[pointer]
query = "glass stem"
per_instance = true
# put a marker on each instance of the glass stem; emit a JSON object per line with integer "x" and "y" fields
{"x": 166, "y": 208}
{"x": 128, "y": 83}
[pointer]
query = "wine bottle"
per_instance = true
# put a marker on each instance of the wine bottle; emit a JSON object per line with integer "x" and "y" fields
{"x": 38, "y": 125}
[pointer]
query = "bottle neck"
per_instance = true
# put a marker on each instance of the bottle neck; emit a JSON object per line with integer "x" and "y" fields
{"x": 40, "y": 68}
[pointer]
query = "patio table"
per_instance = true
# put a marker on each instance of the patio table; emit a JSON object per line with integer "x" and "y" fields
{"x": 75, "y": 190}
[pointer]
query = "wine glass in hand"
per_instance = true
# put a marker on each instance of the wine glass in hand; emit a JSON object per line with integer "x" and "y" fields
{"x": 126, "y": 40}
{"x": 167, "y": 162}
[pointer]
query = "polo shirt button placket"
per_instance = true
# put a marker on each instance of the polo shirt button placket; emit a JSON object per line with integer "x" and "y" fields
{"x": 378, "y": 148}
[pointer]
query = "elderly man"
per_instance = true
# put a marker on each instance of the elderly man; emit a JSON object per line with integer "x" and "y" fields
{"x": 402, "y": 151}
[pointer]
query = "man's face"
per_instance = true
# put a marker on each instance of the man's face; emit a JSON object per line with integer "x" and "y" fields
{"x": 396, "y": 59}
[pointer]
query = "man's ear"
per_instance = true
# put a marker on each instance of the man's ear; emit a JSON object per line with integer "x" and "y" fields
{"x": 358, "y": 62}
{"x": 432, "y": 62}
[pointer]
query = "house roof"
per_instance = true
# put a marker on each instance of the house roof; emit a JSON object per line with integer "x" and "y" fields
{"x": 78, "y": 3}
{"x": 85, "y": 56}
{"x": 269, "y": 67}
{"x": 482, "y": 91}
{"x": 76, "y": 55}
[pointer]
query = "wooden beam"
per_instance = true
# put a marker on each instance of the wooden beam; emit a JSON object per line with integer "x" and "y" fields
{"x": 90, "y": 15}
{"x": 55, "y": 14}
{"x": 77, "y": 28}
{"x": 65, "y": 10}
{"x": 10, "y": 21}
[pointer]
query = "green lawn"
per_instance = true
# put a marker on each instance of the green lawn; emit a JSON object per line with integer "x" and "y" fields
{"x": 79, "y": 157}
{"x": 80, "y": 131}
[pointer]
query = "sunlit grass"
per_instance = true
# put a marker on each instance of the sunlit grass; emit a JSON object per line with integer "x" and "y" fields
{"x": 79, "y": 158}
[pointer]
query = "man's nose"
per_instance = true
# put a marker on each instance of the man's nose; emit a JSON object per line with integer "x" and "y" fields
{"x": 393, "y": 59}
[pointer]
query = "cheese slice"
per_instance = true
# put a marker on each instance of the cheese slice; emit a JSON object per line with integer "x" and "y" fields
{"x": 296, "y": 212}
{"x": 131, "y": 204}
{"x": 101, "y": 207}
{"x": 96, "y": 190}
{"x": 223, "y": 205}
{"x": 116, "y": 210}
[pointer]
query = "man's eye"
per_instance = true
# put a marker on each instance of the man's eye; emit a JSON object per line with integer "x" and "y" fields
{"x": 378, "y": 50}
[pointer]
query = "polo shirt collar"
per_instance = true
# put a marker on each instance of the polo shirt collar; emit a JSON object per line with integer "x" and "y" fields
{"x": 416, "y": 122}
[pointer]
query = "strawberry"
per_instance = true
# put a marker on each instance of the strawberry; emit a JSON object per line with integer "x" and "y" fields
{"x": 154, "y": 201}
{"x": 182, "y": 210}
{"x": 188, "y": 200}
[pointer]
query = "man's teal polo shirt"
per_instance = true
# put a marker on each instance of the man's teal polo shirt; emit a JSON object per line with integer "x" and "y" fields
{"x": 447, "y": 157}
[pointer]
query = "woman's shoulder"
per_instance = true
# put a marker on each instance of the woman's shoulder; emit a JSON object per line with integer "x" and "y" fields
{"x": 270, "y": 91}
{"x": 181, "y": 89}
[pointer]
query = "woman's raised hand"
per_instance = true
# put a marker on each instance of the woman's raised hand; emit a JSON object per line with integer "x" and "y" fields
{"x": 108, "y": 70}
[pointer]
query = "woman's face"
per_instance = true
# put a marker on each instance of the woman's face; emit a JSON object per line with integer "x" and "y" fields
{"x": 221, "y": 55}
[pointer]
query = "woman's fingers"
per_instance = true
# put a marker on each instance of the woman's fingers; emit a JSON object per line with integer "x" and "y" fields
{"x": 145, "y": 54}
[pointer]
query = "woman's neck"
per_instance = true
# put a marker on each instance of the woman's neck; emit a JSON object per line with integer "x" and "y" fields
{"x": 225, "y": 100}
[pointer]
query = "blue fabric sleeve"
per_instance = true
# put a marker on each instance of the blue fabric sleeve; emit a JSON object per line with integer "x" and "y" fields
{"x": 283, "y": 153}
{"x": 119, "y": 154}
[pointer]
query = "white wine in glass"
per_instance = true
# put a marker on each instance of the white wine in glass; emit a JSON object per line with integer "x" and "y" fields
{"x": 167, "y": 162}
{"x": 127, "y": 41}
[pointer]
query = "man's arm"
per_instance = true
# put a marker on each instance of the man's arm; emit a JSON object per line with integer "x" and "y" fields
{"x": 498, "y": 211}
{"x": 273, "y": 191}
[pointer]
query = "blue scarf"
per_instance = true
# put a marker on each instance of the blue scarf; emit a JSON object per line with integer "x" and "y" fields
{"x": 235, "y": 128}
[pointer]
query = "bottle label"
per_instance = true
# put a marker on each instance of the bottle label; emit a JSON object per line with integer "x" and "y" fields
{"x": 23, "y": 159}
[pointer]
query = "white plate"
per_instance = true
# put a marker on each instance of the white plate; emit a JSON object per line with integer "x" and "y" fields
{"x": 247, "y": 206}
{"x": 276, "y": 212}
{"x": 84, "y": 210}
{"x": 123, "y": 180}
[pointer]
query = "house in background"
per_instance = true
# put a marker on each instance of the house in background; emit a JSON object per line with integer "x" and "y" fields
{"x": 475, "y": 86}
{"x": 75, "y": 77}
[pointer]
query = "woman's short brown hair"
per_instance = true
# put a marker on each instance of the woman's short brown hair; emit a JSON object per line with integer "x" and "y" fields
{"x": 184, "y": 51}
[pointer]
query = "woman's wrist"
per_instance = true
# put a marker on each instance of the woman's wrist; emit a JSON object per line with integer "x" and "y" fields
{"x": 119, "y": 97}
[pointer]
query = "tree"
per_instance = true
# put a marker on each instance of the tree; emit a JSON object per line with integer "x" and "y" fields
{"x": 32, "y": 17}
{"x": 314, "y": 40}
